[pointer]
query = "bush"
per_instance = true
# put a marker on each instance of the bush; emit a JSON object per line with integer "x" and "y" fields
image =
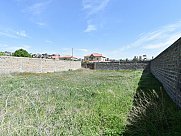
{"x": 2, "y": 54}
{"x": 21, "y": 53}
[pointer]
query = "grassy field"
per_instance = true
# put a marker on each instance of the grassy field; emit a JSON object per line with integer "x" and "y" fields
{"x": 74, "y": 103}
{"x": 86, "y": 103}
{"x": 153, "y": 112}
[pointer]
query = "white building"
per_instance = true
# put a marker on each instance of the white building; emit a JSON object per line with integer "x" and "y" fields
{"x": 94, "y": 57}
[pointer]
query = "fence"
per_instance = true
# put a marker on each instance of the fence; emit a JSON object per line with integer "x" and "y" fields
{"x": 166, "y": 67}
{"x": 35, "y": 65}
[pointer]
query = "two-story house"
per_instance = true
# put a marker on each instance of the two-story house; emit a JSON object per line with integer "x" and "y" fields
{"x": 94, "y": 57}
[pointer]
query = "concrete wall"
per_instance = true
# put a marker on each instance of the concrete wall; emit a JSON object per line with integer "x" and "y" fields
{"x": 35, "y": 65}
{"x": 120, "y": 65}
{"x": 166, "y": 67}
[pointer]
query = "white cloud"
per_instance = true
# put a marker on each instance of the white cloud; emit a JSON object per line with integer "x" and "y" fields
{"x": 22, "y": 33}
{"x": 161, "y": 38}
{"x": 41, "y": 24}
{"x": 151, "y": 43}
{"x": 7, "y": 34}
{"x": 94, "y": 6}
{"x": 12, "y": 48}
{"x": 13, "y": 33}
{"x": 154, "y": 46}
{"x": 49, "y": 41}
{"x": 164, "y": 43}
{"x": 38, "y": 7}
{"x": 90, "y": 28}
{"x": 34, "y": 10}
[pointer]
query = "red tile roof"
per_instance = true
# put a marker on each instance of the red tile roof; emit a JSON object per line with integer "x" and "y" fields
{"x": 55, "y": 56}
{"x": 95, "y": 55}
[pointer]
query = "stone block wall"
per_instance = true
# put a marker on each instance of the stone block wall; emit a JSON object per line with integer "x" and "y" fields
{"x": 35, "y": 65}
{"x": 166, "y": 67}
{"x": 120, "y": 65}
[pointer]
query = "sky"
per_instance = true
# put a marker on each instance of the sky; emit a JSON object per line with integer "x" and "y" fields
{"x": 118, "y": 29}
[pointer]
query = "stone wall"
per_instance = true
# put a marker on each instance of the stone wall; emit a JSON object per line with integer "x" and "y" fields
{"x": 120, "y": 65}
{"x": 35, "y": 65}
{"x": 166, "y": 67}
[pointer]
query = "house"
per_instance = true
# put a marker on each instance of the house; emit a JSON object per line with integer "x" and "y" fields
{"x": 68, "y": 57}
{"x": 45, "y": 56}
{"x": 7, "y": 53}
{"x": 55, "y": 56}
{"x": 94, "y": 57}
{"x": 38, "y": 55}
{"x": 144, "y": 57}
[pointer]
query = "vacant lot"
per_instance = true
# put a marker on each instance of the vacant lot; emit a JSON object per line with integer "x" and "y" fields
{"x": 68, "y": 103}
{"x": 87, "y": 103}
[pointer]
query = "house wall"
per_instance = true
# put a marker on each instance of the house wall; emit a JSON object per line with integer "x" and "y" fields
{"x": 166, "y": 67}
{"x": 94, "y": 59}
{"x": 103, "y": 59}
{"x": 35, "y": 65}
{"x": 97, "y": 59}
{"x": 86, "y": 58}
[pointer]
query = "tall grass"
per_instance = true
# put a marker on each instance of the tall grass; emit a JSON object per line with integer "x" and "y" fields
{"x": 73, "y": 103}
{"x": 153, "y": 112}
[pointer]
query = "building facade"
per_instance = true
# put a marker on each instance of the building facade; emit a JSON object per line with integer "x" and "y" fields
{"x": 94, "y": 57}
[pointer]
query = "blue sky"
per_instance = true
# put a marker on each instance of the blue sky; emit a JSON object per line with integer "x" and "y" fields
{"x": 116, "y": 28}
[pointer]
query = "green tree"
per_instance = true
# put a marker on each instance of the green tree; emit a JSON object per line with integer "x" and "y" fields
{"x": 2, "y": 53}
{"x": 135, "y": 59}
{"x": 21, "y": 53}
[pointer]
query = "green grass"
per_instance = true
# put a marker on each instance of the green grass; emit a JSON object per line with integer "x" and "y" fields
{"x": 87, "y": 103}
{"x": 153, "y": 113}
{"x": 84, "y": 102}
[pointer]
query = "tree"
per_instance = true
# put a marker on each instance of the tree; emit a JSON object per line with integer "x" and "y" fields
{"x": 21, "y": 53}
{"x": 2, "y": 53}
{"x": 135, "y": 59}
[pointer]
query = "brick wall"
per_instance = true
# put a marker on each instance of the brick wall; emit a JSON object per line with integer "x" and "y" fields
{"x": 120, "y": 65}
{"x": 166, "y": 67}
{"x": 35, "y": 65}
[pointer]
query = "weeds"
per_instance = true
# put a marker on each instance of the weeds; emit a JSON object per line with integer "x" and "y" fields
{"x": 153, "y": 112}
{"x": 68, "y": 103}
{"x": 86, "y": 103}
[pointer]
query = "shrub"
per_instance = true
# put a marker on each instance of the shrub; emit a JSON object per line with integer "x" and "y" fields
{"x": 2, "y": 54}
{"x": 21, "y": 53}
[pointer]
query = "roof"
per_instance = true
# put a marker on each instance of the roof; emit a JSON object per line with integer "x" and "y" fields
{"x": 95, "y": 55}
{"x": 55, "y": 56}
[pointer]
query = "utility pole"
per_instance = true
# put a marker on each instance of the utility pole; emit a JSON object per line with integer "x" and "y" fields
{"x": 72, "y": 52}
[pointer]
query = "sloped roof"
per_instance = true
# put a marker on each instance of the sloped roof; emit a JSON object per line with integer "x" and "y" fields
{"x": 55, "y": 56}
{"x": 95, "y": 55}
